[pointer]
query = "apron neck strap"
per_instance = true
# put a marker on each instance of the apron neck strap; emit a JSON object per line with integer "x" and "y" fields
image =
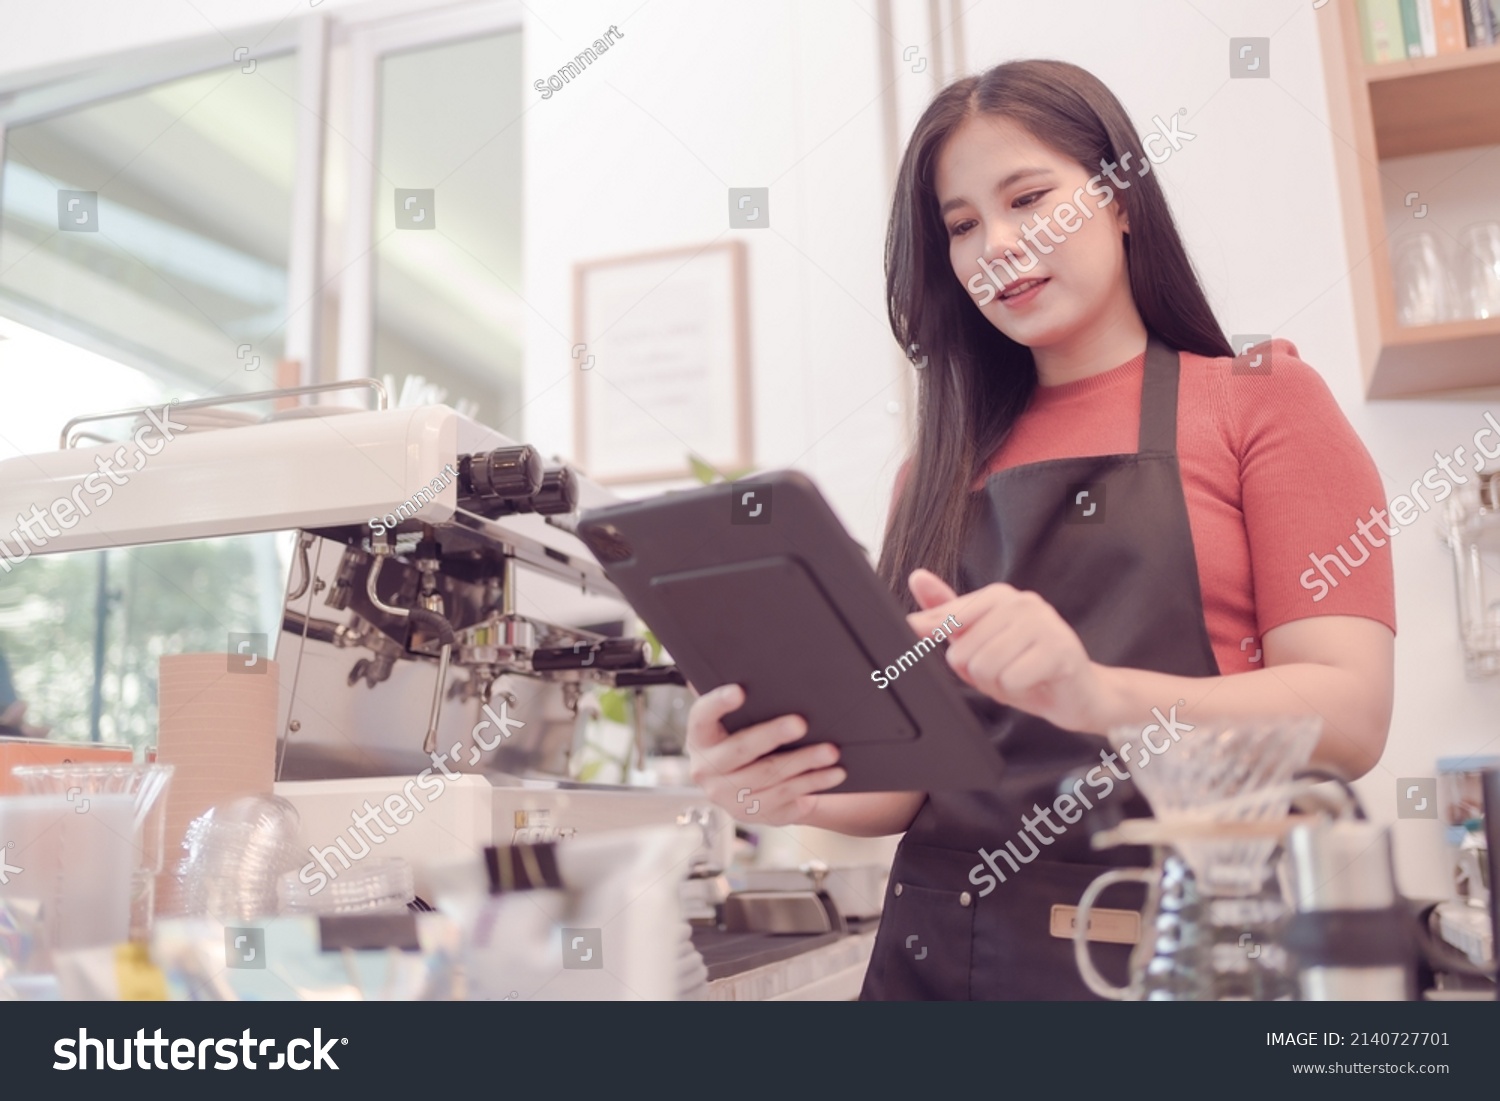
{"x": 1159, "y": 398}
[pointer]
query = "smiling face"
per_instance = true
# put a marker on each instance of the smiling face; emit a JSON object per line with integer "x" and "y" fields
{"x": 1066, "y": 283}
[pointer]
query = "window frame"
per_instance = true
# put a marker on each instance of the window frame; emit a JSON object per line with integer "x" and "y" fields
{"x": 370, "y": 42}
{"x": 369, "y": 33}
{"x": 41, "y": 94}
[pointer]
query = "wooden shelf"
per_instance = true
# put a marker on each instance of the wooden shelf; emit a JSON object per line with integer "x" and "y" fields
{"x": 1431, "y": 104}
{"x": 1452, "y": 359}
{"x": 1401, "y": 109}
{"x": 1477, "y": 57}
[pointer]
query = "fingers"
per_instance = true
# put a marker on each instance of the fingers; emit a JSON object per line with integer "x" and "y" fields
{"x": 733, "y": 753}
{"x": 1000, "y": 662}
{"x": 929, "y": 588}
{"x": 965, "y": 608}
{"x": 781, "y": 801}
{"x": 1001, "y": 632}
{"x": 745, "y": 775}
{"x": 1018, "y": 646}
{"x": 1037, "y": 666}
{"x": 785, "y": 803}
{"x": 715, "y": 754}
{"x": 768, "y": 789}
{"x": 1015, "y": 647}
{"x": 704, "y": 726}
{"x": 807, "y": 784}
{"x": 1010, "y": 618}
{"x": 776, "y": 768}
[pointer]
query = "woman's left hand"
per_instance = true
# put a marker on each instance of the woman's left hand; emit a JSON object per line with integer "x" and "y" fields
{"x": 1015, "y": 648}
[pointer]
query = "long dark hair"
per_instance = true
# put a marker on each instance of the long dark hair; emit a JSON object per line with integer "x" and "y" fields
{"x": 977, "y": 380}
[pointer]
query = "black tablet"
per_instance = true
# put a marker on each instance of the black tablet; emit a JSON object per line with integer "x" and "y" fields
{"x": 757, "y": 583}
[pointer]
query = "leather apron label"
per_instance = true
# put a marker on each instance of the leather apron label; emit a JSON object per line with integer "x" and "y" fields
{"x": 1108, "y": 926}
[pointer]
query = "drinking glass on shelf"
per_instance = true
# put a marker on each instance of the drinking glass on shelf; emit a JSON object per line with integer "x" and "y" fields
{"x": 1423, "y": 281}
{"x": 1479, "y": 270}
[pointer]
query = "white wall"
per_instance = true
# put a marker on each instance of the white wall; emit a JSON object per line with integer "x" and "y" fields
{"x": 638, "y": 154}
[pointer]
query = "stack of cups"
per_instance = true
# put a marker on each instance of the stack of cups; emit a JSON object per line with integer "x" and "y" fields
{"x": 217, "y": 727}
{"x": 233, "y": 857}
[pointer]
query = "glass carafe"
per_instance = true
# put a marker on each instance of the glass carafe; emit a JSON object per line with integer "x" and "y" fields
{"x": 1473, "y": 534}
{"x": 1196, "y": 944}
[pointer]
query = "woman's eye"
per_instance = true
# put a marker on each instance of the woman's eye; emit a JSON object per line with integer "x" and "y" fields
{"x": 961, "y": 228}
{"x": 1030, "y": 198}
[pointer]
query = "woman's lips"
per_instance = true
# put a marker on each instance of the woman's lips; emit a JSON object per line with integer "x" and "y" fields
{"x": 1033, "y": 287}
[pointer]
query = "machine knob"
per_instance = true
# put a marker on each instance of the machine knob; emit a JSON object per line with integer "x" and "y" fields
{"x": 556, "y": 495}
{"x": 559, "y": 492}
{"x": 502, "y": 474}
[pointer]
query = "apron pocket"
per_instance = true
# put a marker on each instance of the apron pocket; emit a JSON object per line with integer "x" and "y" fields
{"x": 928, "y": 935}
{"x": 1016, "y": 955}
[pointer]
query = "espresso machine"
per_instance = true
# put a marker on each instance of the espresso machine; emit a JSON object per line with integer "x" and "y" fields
{"x": 443, "y": 611}
{"x": 436, "y": 582}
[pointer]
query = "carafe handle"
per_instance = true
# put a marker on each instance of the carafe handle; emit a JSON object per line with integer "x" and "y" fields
{"x": 1091, "y": 977}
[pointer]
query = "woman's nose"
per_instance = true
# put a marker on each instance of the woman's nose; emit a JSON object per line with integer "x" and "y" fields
{"x": 1002, "y": 237}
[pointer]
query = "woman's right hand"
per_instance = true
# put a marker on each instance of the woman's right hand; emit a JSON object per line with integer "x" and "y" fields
{"x": 742, "y": 773}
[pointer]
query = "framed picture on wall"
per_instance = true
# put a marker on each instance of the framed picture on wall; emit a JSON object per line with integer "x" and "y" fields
{"x": 661, "y": 347}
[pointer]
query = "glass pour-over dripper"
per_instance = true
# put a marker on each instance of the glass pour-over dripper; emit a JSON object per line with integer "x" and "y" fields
{"x": 1214, "y": 910}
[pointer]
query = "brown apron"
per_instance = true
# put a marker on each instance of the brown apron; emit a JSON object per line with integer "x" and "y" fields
{"x": 1124, "y": 576}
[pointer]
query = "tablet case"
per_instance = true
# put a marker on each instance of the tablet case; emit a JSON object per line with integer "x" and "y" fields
{"x": 758, "y": 584}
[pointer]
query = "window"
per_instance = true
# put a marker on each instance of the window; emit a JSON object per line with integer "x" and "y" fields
{"x": 447, "y": 301}
{"x": 155, "y": 226}
{"x": 166, "y": 231}
{"x": 145, "y": 235}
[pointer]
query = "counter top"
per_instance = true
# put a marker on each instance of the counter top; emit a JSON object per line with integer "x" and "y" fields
{"x": 832, "y": 971}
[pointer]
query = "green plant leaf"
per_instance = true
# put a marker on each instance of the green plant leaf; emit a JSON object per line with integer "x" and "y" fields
{"x": 702, "y": 471}
{"x": 655, "y": 645}
{"x": 612, "y": 706}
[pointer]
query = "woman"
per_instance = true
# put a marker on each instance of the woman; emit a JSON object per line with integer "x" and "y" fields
{"x": 1119, "y": 512}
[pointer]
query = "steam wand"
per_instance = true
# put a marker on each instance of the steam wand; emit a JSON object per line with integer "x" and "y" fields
{"x": 430, "y": 617}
